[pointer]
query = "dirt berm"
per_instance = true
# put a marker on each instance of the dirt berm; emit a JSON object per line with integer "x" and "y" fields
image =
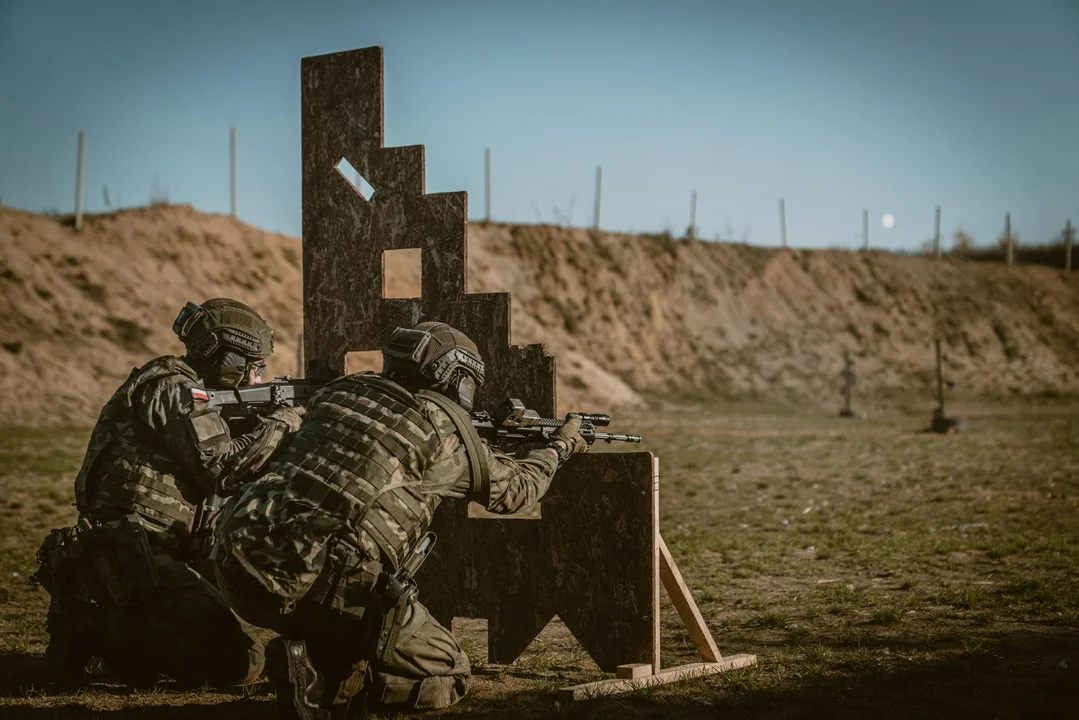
{"x": 630, "y": 318}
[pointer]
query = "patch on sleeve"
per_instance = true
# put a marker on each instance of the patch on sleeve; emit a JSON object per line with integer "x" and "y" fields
{"x": 200, "y": 394}
{"x": 210, "y": 430}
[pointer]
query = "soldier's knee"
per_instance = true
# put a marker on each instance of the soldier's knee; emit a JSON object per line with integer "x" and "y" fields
{"x": 225, "y": 652}
{"x": 241, "y": 666}
{"x": 435, "y": 693}
{"x": 230, "y": 663}
{"x": 243, "y": 662}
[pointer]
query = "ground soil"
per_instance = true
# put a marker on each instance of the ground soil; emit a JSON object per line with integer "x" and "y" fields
{"x": 874, "y": 569}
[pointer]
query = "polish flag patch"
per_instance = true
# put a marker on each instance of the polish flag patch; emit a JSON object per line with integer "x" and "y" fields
{"x": 200, "y": 394}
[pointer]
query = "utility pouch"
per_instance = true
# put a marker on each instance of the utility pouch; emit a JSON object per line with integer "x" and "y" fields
{"x": 396, "y": 592}
{"x": 124, "y": 559}
{"x": 392, "y": 621}
{"x": 60, "y": 548}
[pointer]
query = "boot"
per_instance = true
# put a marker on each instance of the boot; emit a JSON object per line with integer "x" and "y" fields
{"x": 276, "y": 665}
{"x": 298, "y": 685}
{"x": 304, "y": 693}
{"x": 277, "y": 672}
{"x": 76, "y": 634}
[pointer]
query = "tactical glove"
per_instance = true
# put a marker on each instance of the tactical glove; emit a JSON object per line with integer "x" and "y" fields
{"x": 570, "y": 433}
{"x": 290, "y": 416}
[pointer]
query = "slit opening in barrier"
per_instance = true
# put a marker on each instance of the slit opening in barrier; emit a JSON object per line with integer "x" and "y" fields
{"x": 363, "y": 361}
{"x": 402, "y": 273}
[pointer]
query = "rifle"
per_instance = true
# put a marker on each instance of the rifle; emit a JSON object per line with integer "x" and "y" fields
{"x": 279, "y": 391}
{"x": 512, "y": 423}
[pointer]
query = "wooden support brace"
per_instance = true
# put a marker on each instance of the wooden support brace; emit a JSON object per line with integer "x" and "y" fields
{"x": 685, "y": 605}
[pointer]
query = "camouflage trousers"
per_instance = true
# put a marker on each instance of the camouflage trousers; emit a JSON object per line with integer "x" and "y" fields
{"x": 175, "y": 624}
{"x": 422, "y": 667}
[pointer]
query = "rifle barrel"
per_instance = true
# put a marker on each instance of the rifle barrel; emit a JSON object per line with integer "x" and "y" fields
{"x": 617, "y": 437}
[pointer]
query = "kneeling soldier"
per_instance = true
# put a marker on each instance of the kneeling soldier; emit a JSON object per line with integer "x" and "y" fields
{"x": 121, "y": 579}
{"x": 318, "y": 547}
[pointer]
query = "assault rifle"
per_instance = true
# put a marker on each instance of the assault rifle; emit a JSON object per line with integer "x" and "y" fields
{"x": 510, "y": 423}
{"x": 279, "y": 391}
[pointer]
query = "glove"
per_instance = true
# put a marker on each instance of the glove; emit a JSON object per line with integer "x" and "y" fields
{"x": 570, "y": 433}
{"x": 292, "y": 417}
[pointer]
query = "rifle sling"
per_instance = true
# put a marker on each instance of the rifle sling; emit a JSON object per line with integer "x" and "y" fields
{"x": 477, "y": 455}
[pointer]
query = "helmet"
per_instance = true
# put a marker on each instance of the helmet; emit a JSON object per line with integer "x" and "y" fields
{"x": 442, "y": 356}
{"x": 223, "y": 339}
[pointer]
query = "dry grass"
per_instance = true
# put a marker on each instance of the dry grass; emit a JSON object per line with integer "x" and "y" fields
{"x": 875, "y": 571}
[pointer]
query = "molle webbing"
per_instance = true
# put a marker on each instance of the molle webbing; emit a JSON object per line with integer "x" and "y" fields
{"x": 138, "y": 483}
{"x": 362, "y": 445}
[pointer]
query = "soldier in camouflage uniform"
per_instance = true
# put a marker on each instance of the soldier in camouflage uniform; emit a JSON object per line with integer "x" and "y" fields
{"x": 121, "y": 582}
{"x": 314, "y": 548}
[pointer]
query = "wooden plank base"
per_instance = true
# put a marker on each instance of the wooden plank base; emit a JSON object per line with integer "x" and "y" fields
{"x": 615, "y": 686}
{"x": 633, "y": 671}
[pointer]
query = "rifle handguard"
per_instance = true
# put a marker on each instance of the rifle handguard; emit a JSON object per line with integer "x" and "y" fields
{"x": 512, "y": 422}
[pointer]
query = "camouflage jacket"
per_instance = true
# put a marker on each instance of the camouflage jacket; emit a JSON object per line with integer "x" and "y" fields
{"x": 159, "y": 450}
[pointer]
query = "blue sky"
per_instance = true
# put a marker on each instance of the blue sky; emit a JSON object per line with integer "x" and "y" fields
{"x": 835, "y": 105}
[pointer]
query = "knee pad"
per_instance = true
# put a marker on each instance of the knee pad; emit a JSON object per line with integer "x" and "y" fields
{"x": 430, "y": 693}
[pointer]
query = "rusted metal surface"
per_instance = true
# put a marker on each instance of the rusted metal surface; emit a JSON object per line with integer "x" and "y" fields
{"x": 590, "y": 557}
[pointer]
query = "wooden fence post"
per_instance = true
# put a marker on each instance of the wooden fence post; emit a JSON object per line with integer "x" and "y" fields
{"x": 79, "y": 174}
{"x": 1009, "y": 242}
{"x": 782, "y": 222}
{"x": 599, "y": 195}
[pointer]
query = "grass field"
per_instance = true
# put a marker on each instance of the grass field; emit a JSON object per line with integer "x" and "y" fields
{"x": 874, "y": 570}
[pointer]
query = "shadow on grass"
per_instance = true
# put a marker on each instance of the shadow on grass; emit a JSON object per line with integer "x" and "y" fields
{"x": 26, "y": 691}
{"x": 1017, "y": 675}
{"x": 240, "y": 710}
{"x": 22, "y": 674}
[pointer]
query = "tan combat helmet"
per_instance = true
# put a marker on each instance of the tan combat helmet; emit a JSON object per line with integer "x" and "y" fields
{"x": 223, "y": 338}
